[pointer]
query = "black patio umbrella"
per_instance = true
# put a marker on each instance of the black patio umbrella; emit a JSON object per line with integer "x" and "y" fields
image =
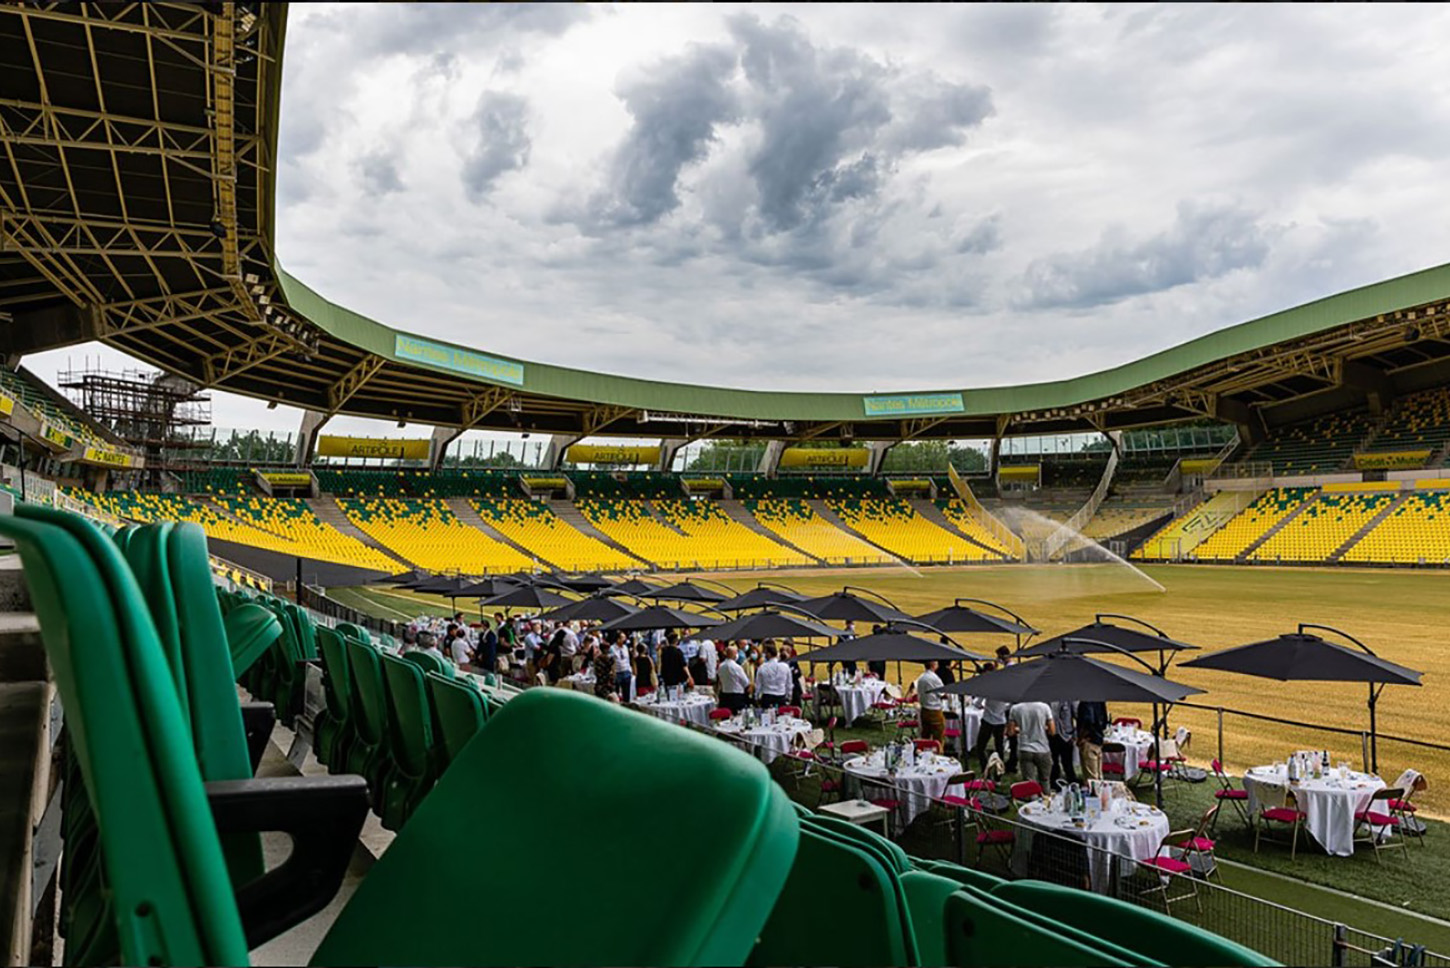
{"x": 893, "y": 644}
{"x": 1064, "y": 676}
{"x": 660, "y": 617}
{"x": 398, "y": 579}
{"x": 489, "y": 587}
{"x": 632, "y": 586}
{"x": 842, "y": 606}
{"x": 527, "y": 596}
{"x": 685, "y": 591}
{"x": 760, "y": 597}
{"x": 413, "y": 583}
{"x": 766, "y": 625}
{"x": 593, "y": 609}
{"x": 1101, "y": 636}
{"x": 1303, "y": 656}
{"x": 581, "y": 583}
{"x": 957, "y": 617}
{"x": 445, "y": 585}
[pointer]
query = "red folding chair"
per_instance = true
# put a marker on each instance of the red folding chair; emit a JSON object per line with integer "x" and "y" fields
{"x": 1230, "y": 794}
{"x": 1115, "y": 761}
{"x": 720, "y": 713}
{"x": 1378, "y": 824}
{"x": 1167, "y": 872}
{"x": 1025, "y": 791}
{"x": 992, "y": 833}
{"x": 789, "y": 711}
{"x": 1128, "y": 721}
{"x": 1288, "y": 815}
{"x": 927, "y": 745}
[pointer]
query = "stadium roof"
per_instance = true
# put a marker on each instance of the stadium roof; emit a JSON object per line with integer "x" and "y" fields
{"x": 137, "y": 208}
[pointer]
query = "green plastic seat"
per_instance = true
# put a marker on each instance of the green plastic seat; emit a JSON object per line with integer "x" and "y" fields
{"x": 1145, "y": 931}
{"x": 369, "y": 756}
{"x": 428, "y": 662}
{"x": 164, "y": 868}
{"x": 334, "y": 729}
{"x": 355, "y": 631}
{"x": 411, "y": 744}
{"x": 251, "y": 630}
{"x": 460, "y": 712}
{"x": 622, "y": 767}
{"x": 984, "y": 929}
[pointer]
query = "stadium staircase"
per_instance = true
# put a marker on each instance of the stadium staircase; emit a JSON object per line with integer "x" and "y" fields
{"x": 653, "y": 512}
{"x": 928, "y": 509}
{"x": 469, "y": 515}
{"x": 329, "y": 513}
{"x": 1277, "y": 526}
{"x": 26, "y": 695}
{"x": 570, "y": 514}
{"x": 1370, "y": 525}
{"x": 738, "y": 513}
{"x": 834, "y": 520}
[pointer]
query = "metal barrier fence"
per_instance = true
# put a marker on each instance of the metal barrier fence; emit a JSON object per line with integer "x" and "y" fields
{"x": 313, "y": 598}
{"x": 945, "y": 832}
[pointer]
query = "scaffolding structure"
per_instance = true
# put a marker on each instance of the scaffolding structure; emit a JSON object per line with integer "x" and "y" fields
{"x": 156, "y": 413}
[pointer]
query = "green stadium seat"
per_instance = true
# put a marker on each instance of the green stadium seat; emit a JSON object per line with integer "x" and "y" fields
{"x": 334, "y": 729}
{"x": 411, "y": 744}
{"x": 369, "y": 755}
{"x": 460, "y": 711}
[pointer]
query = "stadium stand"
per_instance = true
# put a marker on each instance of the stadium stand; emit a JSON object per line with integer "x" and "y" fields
{"x": 1252, "y": 523}
{"x": 1416, "y": 532}
{"x": 1420, "y": 421}
{"x": 1316, "y": 446}
{"x": 35, "y": 397}
{"x": 294, "y": 520}
{"x": 425, "y": 531}
{"x": 1123, "y": 512}
{"x": 1181, "y": 535}
{"x": 961, "y": 517}
{"x": 533, "y": 525}
{"x": 217, "y": 480}
{"x": 706, "y": 524}
{"x": 1323, "y": 526}
{"x": 448, "y": 482}
{"x": 638, "y": 485}
{"x": 794, "y": 521}
{"x": 895, "y": 525}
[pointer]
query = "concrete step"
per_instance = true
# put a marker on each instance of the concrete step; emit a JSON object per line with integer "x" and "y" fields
{"x": 574, "y": 518}
{"x": 329, "y": 512}
{"x": 469, "y": 515}
{"x": 739, "y": 513}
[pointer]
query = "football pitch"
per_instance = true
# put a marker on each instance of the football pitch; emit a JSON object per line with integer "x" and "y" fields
{"x": 1402, "y": 615}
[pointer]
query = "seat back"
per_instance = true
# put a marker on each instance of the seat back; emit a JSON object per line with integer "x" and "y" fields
{"x": 336, "y": 681}
{"x": 370, "y": 703}
{"x": 427, "y": 662}
{"x": 983, "y": 929}
{"x": 356, "y": 631}
{"x": 163, "y": 862}
{"x": 676, "y": 916}
{"x": 251, "y": 630}
{"x": 410, "y": 719}
{"x": 461, "y": 712}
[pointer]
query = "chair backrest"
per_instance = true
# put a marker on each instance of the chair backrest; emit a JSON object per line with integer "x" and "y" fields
{"x": 788, "y": 711}
{"x": 720, "y": 714}
{"x": 1025, "y": 790}
{"x": 960, "y": 778}
{"x": 410, "y": 718}
{"x": 370, "y": 705}
{"x": 1167, "y": 749}
{"x": 336, "y": 679}
{"x": 1412, "y": 782}
{"x": 461, "y": 711}
{"x": 1206, "y": 821}
{"x": 356, "y": 631}
{"x": 927, "y": 744}
{"x": 1128, "y": 721}
{"x": 855, "y": 746}
{"x": 1182, "y": 735}
{"x": 426, "y": 661}
{"x": 251, "y": 630}
{"x": 1113, "y": 748}
{"x": 164, "y": 865}
{"x": 1388, "y": 793}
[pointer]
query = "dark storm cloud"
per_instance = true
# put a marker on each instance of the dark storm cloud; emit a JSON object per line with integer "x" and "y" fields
{"x": 379, "y": 173}
{"x": 1203, "y": 243}
{"x": 503, "y": 142}
{"x": 675, "y": 108}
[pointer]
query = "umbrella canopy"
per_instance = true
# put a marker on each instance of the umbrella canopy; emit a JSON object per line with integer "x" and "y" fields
{"x": 398, "y": 579}
{"x": 1307, "y": 657}
{"x": 845, "y": 607}
{"x": 525, "y": 597}
{"x": 593, "y": 609}
{"x": 660, "y": 617}
{"x": 443, "y": 585}
{"x": 759, "y": 598}
{"x": 633, "y": 586}
{"x": 581, "y": 583}
{"x": 892, "y": 644}
{"x": 1066, "y": 676}
{"x": 488, "y": 587}
{"x": 766, "y": 625}
{"x": 959, "y": 618}
{"x": 1090, "y": 638}
{"x": 684, "y": 592}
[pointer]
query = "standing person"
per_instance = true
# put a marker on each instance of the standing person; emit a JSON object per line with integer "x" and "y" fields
{"x": 1092, "y": 721}
{"x": 485, "y": 655}
{"x": 877, "y": 667}
{"x": 644, "y": 670}
{"x": 1064, "y": 718}
{"x": 1031, "y": 723}
{"x": 568, "y": 649}
{"x": 711, "y": 656}
{"x": 552, "y": 664}
{"x": 849, "y": 668}
{"x": 622, "y": 674}
{"x": 604, "y": 675}
{"x": 698, "y": 671}
{"x": 673, "y": 671}
{"x": 994, "y": 723}
{"x": 732, "y": 682}
{"x": 772, "y": 679}
{"x": 506, "y": 636}
{"x": 927, "y": 688}
{"x": 797, "y": 691}
{"x": 533, "y": 642}
{"x": 459, "y": 648}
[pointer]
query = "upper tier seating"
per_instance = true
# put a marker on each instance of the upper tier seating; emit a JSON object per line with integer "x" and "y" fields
{"x": 533, "y": 525}
{"x": 1317, "y": 446}
{"x": 1420, "y": 421}
{"x": 633, "y": 485}
{"x": 793, "y": 520}
{"x": 895, "y": 525}
{"x": 426, "y": 532}
{"x": 448, "y": 482}
{"x": 1250, "y": 524}
{"x": 706, "y": 523}
{"x": 1122, "y": 513}
{"x": 25, "y": 388}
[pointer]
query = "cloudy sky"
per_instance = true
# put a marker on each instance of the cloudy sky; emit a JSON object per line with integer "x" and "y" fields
{"x": 852, "y": 197}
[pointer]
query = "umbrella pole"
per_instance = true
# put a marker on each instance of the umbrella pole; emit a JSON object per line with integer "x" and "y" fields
{"x": 1374, "y": 752}
{"x": 1157, "y": 763}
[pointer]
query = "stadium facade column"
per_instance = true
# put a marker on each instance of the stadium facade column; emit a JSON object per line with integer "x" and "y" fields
{"x": 770, "y": 460}
{"x": 877, "y": 449}
{"x": 312, "y": 422}
{"x": 558, "y": 444}
{"x": 438, "y": 445}
{"x": 669, "y": 447}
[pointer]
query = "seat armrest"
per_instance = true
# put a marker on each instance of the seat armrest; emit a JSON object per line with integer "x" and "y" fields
{"x": 323, "y": 815}
{"x": 258, "y": 718}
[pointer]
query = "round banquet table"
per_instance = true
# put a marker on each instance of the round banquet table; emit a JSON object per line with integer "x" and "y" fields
{"x": 971, "y": 722}
{"x": 856, "y": 700}
{"x": 1132, "y": 832}
{"x": 584, "y": 682}
{"x": 1137, "y": 748}
{"x": 915, "y": 786}
{"x": 1329, "y": 804}
{"x": 693, "y": 708}
{"x": 767, "y": 742}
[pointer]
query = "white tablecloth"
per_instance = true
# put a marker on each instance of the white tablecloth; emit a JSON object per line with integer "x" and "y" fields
{"x": 1137, "y": 747}
{"x": 767, "y": 742}
{"x": 971, "y": 722}
{"x": 857, "y": 699}
{"x": 1127, "y": 838}
{"x": 915, "y": 786}
{"x": 584, "y": 682}
{"x": 1329, "y": 805}
{"x": 694, "y": 708}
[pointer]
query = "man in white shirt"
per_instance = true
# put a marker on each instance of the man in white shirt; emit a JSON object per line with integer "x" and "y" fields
{"x": 993, "y": 726}
{"x": 732, "y": 682}
{"x": 772, "y": 679}
{"x": 1031, "y": 723}
{"x": 461, "y": 648}
{"x": 933, "y": 719}
{"x": 711, "y": 657}
{"x": 569, "y": 649}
